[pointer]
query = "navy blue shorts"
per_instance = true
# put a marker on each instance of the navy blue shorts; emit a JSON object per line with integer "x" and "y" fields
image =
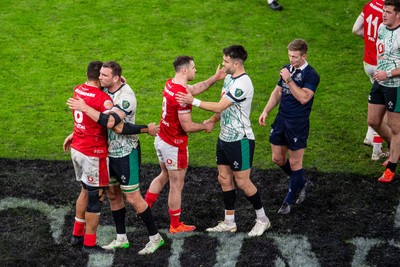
{"x": 238, "y": 155}
{"x": 290, "y": 132}
{"x": 383, "y": 95}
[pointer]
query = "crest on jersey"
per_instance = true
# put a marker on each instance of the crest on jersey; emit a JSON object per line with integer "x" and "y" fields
{"x": 125, "y": 104}
{"x": 238, "y": 92}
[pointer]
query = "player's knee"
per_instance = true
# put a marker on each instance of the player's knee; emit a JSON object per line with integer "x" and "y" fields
{"x": 280, "y": 161}
{"x": 113, "y": 195}
{"x": 95, "y": 199}
{"x": 243, "y": 184}
{"x": 133, "y": 197}
{"x": 224, "y": 179}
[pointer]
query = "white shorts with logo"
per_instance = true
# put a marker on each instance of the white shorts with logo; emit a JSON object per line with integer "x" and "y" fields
{"x": 92, "y": 171}
{"x": 173, "y": 157}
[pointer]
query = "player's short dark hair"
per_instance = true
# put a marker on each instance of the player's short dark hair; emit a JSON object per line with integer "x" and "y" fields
{"x": 394, "y": 3}
{"x": 298, "y": 45}
{"x": 235, "y": 52}
{"x": 114, "y": 66}
{"x": 181, "y": 61}
{"x": 93, "y": 70}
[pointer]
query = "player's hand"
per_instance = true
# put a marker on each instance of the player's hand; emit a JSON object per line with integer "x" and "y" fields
{"x": 76, "y": 104}
{"x": 220, "y": 73}
{"x": 183, "y": 98}
{"x": 153, "y": 129}
{"x": 67, "y": 142}
{"x": 380, "y": 75}
{"x": 208, "y": 126}
{"x": 263, "y": 118}
{"x": 285, "y": 74}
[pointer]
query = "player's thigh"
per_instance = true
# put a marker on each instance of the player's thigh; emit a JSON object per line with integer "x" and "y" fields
{"x": 225, "y": 177}
{"x": 242, "y": 178}
{"x": 376, "y": 113}
{"x": 279, "y": 154}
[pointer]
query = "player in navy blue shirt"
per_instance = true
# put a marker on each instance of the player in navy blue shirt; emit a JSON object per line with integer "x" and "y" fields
{"x": 289, "y": 132}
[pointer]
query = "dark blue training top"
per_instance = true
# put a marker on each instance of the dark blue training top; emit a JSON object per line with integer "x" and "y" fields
{"x": 304, "y": 78}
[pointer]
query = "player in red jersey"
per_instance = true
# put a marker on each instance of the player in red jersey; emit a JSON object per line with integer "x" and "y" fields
{"x": 366, "y": 26}
{"x": 171, "y": 144}
{"x": 89, "y": 156}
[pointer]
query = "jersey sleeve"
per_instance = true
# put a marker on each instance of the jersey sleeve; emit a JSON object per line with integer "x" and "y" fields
{"x": 106, "y": 103}
{"x": 311, "y": 81}
{"x": 126, "y": 103}
{"x": 239, "y": 90}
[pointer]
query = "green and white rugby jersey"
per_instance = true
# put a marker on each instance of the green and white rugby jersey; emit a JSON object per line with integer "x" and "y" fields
{"x": 388, "y": 48}
{"x": 235, "y": 120}
{"x": 125, "y": 100}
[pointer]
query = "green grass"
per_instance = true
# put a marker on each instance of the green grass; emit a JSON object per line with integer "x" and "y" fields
{"x": 45, "y": 47}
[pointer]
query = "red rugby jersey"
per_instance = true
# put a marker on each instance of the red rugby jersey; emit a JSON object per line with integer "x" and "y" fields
{"x": 171, "y": 130}
{"x": 372, "y": 13}
{"x": 90, "y": 138}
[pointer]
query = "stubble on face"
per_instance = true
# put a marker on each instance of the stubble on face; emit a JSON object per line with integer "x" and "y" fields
{"x": 106, "y": 77}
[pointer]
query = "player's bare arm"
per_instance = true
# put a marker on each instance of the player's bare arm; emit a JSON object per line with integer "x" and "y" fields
{"x": 67, "y": 142}
{"x": 112, "y": 120}
{"x": 216, "y": 107}
{"x": 381, "y": 75}
{"x": 188, "y": 125}
{"x": 204, "y": 85}
{"x": 358, "y": 27}
{"x": 273, "y": 101}
{"x": 108, "y": 120}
